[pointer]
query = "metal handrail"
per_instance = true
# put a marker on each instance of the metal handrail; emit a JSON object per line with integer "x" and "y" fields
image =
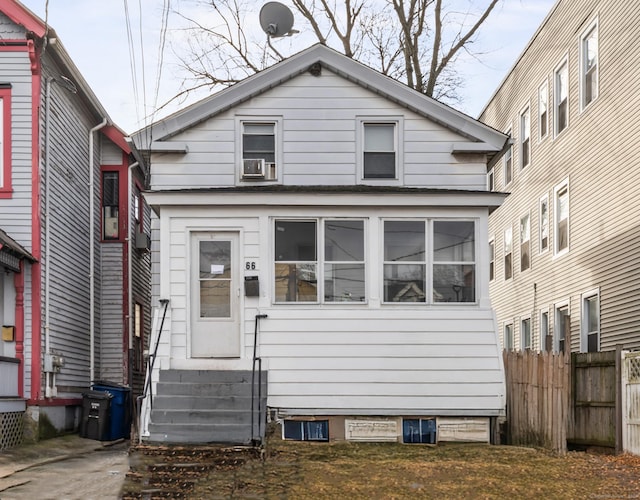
{"x": 257, "y": 360}
{"x": 150, "y": 364}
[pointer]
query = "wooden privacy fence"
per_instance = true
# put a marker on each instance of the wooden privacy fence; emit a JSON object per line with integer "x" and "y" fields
{"x": 538, "y": 390}
{"x": 559, "y": 398}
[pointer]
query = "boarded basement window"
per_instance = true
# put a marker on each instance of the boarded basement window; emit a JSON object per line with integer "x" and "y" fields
{"x": 306, "y": 430}
{"x": 419, "y": 430}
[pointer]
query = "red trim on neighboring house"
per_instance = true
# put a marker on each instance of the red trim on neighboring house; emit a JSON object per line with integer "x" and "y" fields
{"x": 115, "y": 135}
{"x": 19, "y": 14}
{"x": 6, "y": 188}
{"x": 122, "y": 202}
{"x": 36, "y": 242}
{"x": 18, "y": 283}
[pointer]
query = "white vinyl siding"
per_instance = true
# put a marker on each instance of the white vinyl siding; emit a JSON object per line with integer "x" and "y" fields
{"x": 321, "y": 141}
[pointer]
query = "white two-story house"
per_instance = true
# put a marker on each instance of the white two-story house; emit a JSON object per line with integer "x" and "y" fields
{"x": 326, "y": 226}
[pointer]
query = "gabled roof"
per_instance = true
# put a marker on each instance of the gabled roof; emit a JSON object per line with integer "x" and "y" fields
{"x": 487, "y": 139}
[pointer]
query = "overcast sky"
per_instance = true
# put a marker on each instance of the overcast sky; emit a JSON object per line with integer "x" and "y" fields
{"x": 94, "y": 32}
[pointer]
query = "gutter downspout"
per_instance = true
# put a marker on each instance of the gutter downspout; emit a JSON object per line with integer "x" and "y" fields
{"x": 130, "y": 253}
{"x": 92, "y": 257}
{"x": 47, "y": 260}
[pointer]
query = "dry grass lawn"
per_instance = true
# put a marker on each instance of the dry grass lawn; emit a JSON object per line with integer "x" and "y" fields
{"x": 295, "y": 470}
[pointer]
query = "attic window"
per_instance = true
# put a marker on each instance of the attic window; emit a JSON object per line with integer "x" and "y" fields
{"x": 379, "y": 151}
{"x": 258, "y": 150}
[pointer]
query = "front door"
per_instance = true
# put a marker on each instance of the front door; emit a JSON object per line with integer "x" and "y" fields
{"x": 215, "y": 331}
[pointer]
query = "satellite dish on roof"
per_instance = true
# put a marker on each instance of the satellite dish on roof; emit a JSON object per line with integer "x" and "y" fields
{"x": 276, "y": 19}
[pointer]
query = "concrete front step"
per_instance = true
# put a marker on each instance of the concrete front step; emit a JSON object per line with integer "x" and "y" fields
{"x": 202, "y": 433}
{"x": 176, "y": 402}
{"x": 208, "y": 389}
{"x": 202, "y": 416}
{"x": 211, "y": 376}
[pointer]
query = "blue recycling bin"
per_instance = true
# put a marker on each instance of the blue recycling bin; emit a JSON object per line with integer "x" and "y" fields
{"x": 120, "y": 414}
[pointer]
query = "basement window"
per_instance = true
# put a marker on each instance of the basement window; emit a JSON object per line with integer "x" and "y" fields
{"x": 306, "y": 430}
{"x": 419, "y": 430}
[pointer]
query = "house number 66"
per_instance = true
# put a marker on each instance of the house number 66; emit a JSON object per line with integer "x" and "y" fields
{"x": 250, "y": 266}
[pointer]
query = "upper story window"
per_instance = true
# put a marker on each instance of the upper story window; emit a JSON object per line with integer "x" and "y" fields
{"x": 589, "y": 65}
{"x": 299, "y": 261}
{"x": 525, "y": 334}
{"x": 508, "y": 253}
{"x": 491, "y": 180}
{"x": 561, "y": 218}
{"x": 590, "y": 330}
{"x": 5, "y": 141}
{"x": 525, "y": 243}
{"x": 379, "y": 154}
{"x": 508, "y": 162}
{"x": 544, "y": 223}
{"x": 561, "y": 97}
{"x": 259, "y": 151}
{"x": 543, "y": 110}
{"x": 110, "y": 205}
{"x": 525, "y": 137}
{"x": 507, "y": 339}
{"x": 492, "y": 259}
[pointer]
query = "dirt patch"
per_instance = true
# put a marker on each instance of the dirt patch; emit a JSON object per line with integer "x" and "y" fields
{"x": 297, "y": 470}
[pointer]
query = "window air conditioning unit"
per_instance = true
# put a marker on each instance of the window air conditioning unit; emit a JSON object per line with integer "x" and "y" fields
{"x": 253, "y": 168}
{"x": 143, "y": 241}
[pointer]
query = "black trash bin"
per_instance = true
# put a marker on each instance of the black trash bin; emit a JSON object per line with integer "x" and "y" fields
{"x": 120, "y": 424}
{"x": 96, "y": 412}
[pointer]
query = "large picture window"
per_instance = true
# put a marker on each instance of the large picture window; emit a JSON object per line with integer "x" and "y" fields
{"x": 454, "y": 269}
{"x": 453, "y": 266}
{"x": 299, "y": 261}
{"x": 404, "y": 261}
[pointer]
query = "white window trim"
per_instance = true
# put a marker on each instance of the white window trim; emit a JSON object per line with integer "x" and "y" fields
{"x": 559, "y": 253}
{"x": 565, "y": 61}
{"x": 526, "y": 109}
{"x": 542, "y": 340}
{"x": 398, "y": 143}
{"x": 544, "y": 85}
{"x": 545, "y": 198}
{"x": 584, "y": 320}
{"x": 522, "y": 320}
{"x": 491, "y": 180}
{"x": 556, "y": 328}
{"x": 504, "y": 161}
{"x": 592, "y": 25}
{"x": 240, "y": 120}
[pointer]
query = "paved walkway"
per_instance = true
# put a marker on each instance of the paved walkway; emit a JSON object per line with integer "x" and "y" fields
{"x": 68, "y": 467}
